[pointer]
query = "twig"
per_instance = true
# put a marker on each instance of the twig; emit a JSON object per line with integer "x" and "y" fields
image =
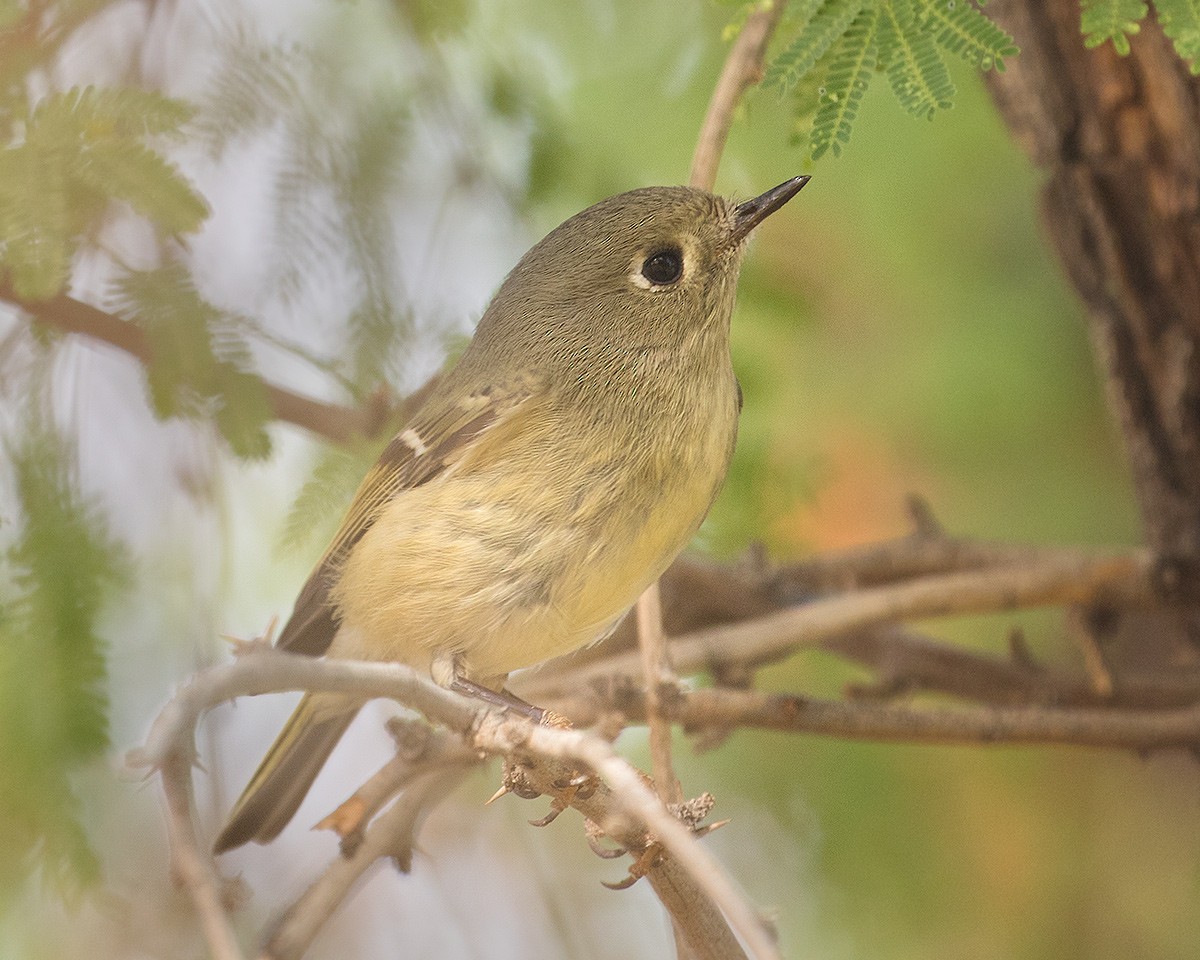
{"x": 419, "y": 750}
{"x": 922, "y": 664}
{"x": 1080, "y": 631}
{"x": 902, "y": 558}
{"x": 391, "y": 835}
{"x": 867, "y": 720}
{"x": 631, "y": 796}
{"x": 267, "y": 671}
{"x": 191, "y": 866}
{"x": 1057, "y": 577}
{"x": 743, "y": 68}
{"x": 652, "y": 642}
{"x": 334, "y": 422}
{"x": 656, "y": 668}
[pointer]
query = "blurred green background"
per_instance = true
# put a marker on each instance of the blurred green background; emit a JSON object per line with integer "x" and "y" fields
{"x": 902, "y": 327}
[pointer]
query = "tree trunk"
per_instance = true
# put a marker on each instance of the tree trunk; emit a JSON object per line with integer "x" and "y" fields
{"x": 1119, "y": 140}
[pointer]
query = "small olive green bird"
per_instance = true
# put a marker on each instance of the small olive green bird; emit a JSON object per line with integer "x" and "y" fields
{"x": 548, "y": 479}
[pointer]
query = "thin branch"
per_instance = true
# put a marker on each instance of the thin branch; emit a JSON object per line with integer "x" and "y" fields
{"x": 723, "y": 708}
{"x": 902, "y": 558}
{"x": 391, "y": 835}
{"x": 419, "y": 750}
{"x": 914, "y": 662}
{"x": 1057, "y": 577}
{"x": 743, "y": 68}
{"x": 632, "y": 797}
{"x": 656, "y": 668}
{"x": 334, "y": 422}
{"x": 262, "y": 670}
{"x": 191, "y": 866}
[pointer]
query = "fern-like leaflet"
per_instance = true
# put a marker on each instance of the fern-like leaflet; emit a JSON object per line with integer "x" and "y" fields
{"x": 202, "y": 365}
{"x": 960, "y": 29}
{"x": 909, "y": 56}
{"x": 78, "y": 151}
{"x": 1115, "y": 20}
{"x": 1180, "y": 21}
{"x": 851, "y": 64}
{"x": 822, "y": 30}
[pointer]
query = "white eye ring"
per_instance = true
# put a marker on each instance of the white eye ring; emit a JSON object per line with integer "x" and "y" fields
{"x": 666, "y": 257}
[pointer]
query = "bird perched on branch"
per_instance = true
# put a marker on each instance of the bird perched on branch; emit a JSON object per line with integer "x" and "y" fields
{"x": 551, "y": 476}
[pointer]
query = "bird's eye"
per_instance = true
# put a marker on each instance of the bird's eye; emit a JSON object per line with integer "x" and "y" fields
{"x": 663, "y": 267}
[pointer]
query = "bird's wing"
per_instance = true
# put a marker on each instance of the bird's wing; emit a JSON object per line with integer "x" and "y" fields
{"x": 437, "y": 438}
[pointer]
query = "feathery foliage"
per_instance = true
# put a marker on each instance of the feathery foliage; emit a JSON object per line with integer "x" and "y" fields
{"x": 962, "y": 31}
{"x": 52, "y": 666}
{"x": 318, "y": 507}
{"x": 1180, "y": 21}
{"x": 821, "y": 30}
{"x": 75, "y": 153}
{"x": 909, "y": 54}
{"x": 201, "y": 364}
{"x": 1115, "y": 20}
{"x": 842, "y": 42}
{"x": 1118, "y": 20}
{"x": 850, "y": 69}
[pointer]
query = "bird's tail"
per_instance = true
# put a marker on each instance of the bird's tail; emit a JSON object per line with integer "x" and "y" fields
{"x": 281, "y": 782}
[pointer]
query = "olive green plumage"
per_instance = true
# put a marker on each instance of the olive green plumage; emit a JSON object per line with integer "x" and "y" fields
{"x": 549, "y": 478}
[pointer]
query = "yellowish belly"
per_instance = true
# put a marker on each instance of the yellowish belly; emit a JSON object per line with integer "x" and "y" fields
{"x": 507, "y": 567}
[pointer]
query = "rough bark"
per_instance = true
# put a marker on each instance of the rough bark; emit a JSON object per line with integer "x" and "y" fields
{"x": 1119, "y": 141}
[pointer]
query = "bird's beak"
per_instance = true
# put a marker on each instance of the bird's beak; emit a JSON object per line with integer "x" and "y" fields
{"x": 748, "y": 215}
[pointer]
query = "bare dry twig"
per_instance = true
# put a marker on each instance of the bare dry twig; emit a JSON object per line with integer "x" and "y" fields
{"x": 419, "y": 751}
{"x": 1055, "y": 577}
{"x": 656, "y": 668}
{"x": 652, "y": 642}
{"x": 262, "y": 670}
{"x": 391, "y": 835}
{"x": 743, "y": 68}
{"x": 632, "y": 797}
{"x": 721, "y": 707}
{"x": 193, "y": 867}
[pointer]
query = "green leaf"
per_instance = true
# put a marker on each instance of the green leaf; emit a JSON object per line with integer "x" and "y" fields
{"x": 243, "y": 412}
{"x": 1180, "y": 21}
{"x": 818, "y": 34}
{"x": 53, "y": 704}
{"x": 97, "y": 113}
{"x": 1115, "y": 20}
{"x": 850, "y": 67}
{"x": 962, "y": 30}
{"x": 202, "y": 365}
{"x": 318, "y": 507}
{"x": 35, "y": 221}
{"x": 126, "y": 170}
{"x": 910, "y": 57}
{"x": 78, "y": 151}
{"x": 255, "y": 87}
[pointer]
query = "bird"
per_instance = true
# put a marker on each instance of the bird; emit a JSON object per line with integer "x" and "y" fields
{"x": 545, "y": 482}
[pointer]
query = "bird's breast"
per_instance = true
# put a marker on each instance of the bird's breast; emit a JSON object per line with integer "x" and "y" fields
{"x": 541, "y": 549}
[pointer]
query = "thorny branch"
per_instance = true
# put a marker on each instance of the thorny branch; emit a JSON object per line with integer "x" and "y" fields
{"x": 1051, "y": 577}
{"x": 657, "y": 672}
{"x": 1121, "y": 578}
{"x": 631, "y": 812}
{"x": 192, "y": 866}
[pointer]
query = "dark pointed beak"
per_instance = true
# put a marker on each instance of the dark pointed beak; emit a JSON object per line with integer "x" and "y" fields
{"x": 748, "y": 215}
